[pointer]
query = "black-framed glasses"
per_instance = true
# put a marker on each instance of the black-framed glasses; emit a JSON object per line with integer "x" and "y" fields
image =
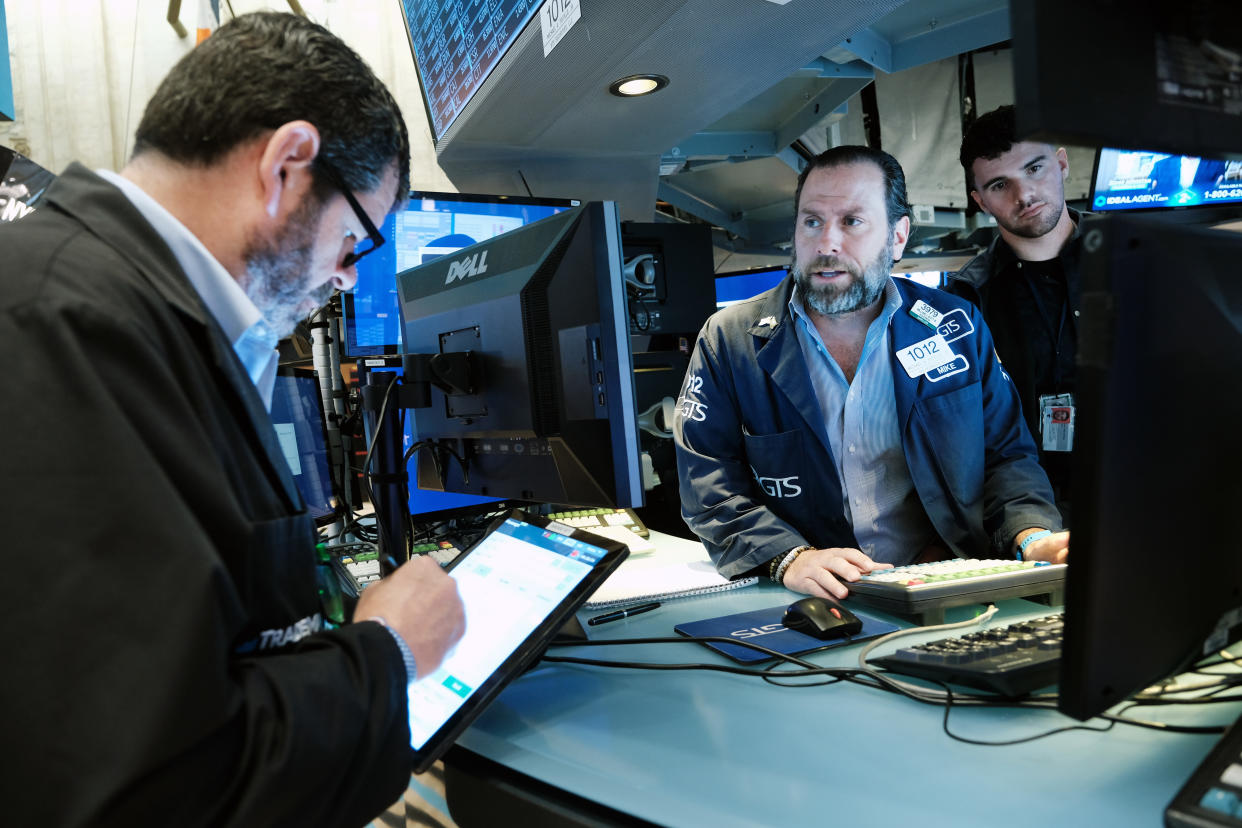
{"x": 373, "y": 234}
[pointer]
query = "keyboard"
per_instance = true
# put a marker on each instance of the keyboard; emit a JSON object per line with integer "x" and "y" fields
{"x": 360, "y": 561}
{"x": 928, "y": 589}
{"x": 1213, "y": 793}
{"x": 589, "y": 519}
{"x": 443, "y": 552}
{"x": 1010, "y": 660}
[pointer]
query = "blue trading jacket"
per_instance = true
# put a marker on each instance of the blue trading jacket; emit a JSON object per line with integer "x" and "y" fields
{"x": 757, "y": 473}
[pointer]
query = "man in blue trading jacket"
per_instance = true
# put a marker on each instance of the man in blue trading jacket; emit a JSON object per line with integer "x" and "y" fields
{"x": 169, "y": 660}
{"x": 844, "y": 420}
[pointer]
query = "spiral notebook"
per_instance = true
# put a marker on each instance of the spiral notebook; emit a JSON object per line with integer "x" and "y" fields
{"x": 661, "y": 579}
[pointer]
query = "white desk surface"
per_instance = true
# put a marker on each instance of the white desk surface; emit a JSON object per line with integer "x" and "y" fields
{"x": 705, "y": 748}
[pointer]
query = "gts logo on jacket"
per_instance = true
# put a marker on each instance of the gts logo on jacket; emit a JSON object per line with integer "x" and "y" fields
{"x": 469, "y": 266}
{"x": 778, "y": 486}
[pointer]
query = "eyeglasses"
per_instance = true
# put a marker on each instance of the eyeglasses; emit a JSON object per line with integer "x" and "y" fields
{"x": 373, "y": 234}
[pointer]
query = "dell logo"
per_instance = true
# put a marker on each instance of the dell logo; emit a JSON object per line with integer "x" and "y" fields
{"x": 469, "y": 266}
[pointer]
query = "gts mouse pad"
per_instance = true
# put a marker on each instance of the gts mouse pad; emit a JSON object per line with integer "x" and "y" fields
{"x": 764, "y": 627}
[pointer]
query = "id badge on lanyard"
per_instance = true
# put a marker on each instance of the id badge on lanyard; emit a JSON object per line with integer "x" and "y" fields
{"x": 1056, "y": 421}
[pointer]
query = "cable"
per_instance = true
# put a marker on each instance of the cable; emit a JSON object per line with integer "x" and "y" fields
{"x": 381, "y": 525}
{"x": 869, "y": 677}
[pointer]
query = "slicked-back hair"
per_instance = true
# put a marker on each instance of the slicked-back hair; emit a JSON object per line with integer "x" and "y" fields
{"x": 896, "y": 202}
{"x": 262, "y": 70}
{"x": 990, "y": 136}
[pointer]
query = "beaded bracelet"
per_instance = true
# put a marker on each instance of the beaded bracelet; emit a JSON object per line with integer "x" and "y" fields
{"x": 786, "y": 562}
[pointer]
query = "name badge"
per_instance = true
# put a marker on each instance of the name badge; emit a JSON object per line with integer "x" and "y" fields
{"x": 926, "y": 356}
{"x": 926, "y": 314}
{"x": 1056, "y": 421}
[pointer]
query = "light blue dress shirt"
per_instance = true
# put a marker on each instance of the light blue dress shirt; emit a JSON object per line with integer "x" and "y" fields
{"x": 253, "y": 341}
{"x": 881, "y": 504}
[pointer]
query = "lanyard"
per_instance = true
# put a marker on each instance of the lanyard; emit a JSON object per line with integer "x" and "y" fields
{"x": 1054, "y": 331}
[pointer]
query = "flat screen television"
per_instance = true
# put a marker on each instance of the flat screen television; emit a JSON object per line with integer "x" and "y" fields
{"x": 531, "y": 328}
{"x": 1147, "y": 180}
{"x": 456, "y": 46}
{"x": 1138, "y": 74}
{"x": 1155, "y": 578}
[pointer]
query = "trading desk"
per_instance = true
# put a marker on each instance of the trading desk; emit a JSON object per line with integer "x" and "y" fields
{"x": 624, "y": 746}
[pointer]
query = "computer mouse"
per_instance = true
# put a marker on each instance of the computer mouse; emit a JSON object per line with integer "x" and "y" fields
{"x": 821, "y": 618}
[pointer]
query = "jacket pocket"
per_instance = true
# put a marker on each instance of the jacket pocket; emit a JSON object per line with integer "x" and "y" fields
{"x": 952, "y": 425}
{"x": 777, "y": 462}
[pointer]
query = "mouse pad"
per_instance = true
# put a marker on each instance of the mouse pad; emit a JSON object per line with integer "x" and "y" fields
{"x": 764, "y": 627}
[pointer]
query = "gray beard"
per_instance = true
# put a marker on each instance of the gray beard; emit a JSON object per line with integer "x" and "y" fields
{"x": 863, "y": 290}
{"x": 278, "y": 272}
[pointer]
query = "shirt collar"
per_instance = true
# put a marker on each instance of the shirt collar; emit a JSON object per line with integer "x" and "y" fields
{"x": 219, "y": 291}
{"x": 239, "y": 318}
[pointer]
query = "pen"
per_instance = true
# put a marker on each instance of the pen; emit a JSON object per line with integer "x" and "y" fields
{"x": 625, "y": 613}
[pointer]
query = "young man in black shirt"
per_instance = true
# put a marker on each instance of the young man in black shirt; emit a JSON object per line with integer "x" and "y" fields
{"x": 1027, "y": 282}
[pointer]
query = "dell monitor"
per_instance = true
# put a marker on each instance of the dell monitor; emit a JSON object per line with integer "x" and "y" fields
{"x": 431, "y": 225}
{"x": 531, "y": 329}
{"x": 1155, "y": 575}
{"x": 1148, "y": 180}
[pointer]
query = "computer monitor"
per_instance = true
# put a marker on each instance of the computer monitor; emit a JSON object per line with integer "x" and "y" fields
{"x": 1139, "y": 74}
{"x": 297, "y": 415}
{"x": 733, "y": 286}
{"x": 456, "y": 46}
{"x": 432, "y": 224}
{"x": 542, "y": 408}
{"x": 1146, "y": 180}
{"x": 1155, "y": 575}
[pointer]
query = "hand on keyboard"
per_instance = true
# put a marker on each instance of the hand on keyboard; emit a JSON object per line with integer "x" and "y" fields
{"x": 821, "y": 571}
{"x": 1054, "y": 548}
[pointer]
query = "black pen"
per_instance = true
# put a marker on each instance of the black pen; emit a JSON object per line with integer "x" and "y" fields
{"x": 625, "y": 613}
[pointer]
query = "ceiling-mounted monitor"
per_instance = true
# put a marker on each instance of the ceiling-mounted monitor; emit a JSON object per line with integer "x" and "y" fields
{"x": 1139, "y": 74}
{"x": 456, "y": 46}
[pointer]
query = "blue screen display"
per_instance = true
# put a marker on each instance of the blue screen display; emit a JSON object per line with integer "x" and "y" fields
{"x": 1139, "y": 180}
{"x": 432, "y": 225}
{"x": 737, "y": 287}
{"x": 297, "y": 416}
{"x": 457, "y": 44}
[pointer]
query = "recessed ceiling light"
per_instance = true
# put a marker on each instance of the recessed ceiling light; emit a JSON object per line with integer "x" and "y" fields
{"x": 635, "y": 85}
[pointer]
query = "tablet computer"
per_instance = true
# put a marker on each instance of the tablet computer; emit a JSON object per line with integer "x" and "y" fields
{"x": 523, "y": 580}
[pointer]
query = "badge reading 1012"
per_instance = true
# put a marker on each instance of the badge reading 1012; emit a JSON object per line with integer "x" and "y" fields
{"x": 925, "y": 356}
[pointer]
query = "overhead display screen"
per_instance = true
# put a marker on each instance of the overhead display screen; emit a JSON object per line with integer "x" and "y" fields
{"x": 1140, "y": 180}
{"x": 456, "y": 45}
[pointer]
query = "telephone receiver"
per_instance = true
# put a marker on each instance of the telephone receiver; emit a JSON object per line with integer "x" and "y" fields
{"x": 640, "y": 272}
{"x": 658, "y": 419}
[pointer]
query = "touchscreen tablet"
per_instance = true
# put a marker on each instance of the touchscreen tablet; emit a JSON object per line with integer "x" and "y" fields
{"x": 520, "y": 583}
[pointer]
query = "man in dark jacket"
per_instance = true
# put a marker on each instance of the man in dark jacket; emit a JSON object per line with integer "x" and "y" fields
{"x": 1026, "y": 282}
{"x": 169, "y": 660}
{"x": 845, "y": 420}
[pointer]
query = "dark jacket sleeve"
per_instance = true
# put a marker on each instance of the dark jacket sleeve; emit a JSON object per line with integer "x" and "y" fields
{"x": 1017, "y": 494}
{"x": 138, "y": 561}
{"x": 718, "y": 498}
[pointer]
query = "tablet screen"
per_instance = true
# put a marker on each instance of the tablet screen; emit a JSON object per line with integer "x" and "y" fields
{"x": 518, "y": 584}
